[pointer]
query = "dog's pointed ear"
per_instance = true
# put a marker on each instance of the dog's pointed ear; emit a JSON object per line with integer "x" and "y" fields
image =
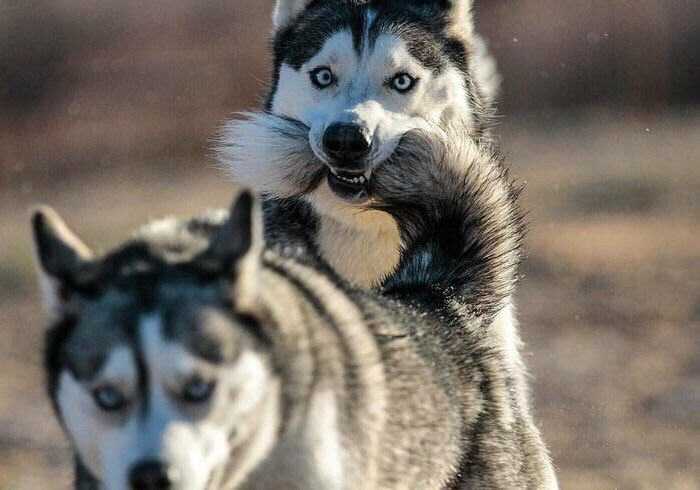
{"x": 240, "y": 234}
{"x": 458, "y": 14}
{"x": 237, "y": 245}
{"x": 286, "y": 11}
{"x": 61, "y": 256}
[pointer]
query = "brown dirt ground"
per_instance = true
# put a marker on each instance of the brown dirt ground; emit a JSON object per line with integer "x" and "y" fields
{"x": 609, "y": 302}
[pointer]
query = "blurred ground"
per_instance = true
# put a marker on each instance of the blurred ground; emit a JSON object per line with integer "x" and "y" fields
{"x": 106, "y": 109}
{"x": 609, "y": 304}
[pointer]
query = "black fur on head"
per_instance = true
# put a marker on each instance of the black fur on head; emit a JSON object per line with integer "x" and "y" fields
{"x": 204, "y": 249}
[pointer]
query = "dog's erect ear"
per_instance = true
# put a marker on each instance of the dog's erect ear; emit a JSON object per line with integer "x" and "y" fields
{"x": 286, "y": 11}
{"x": 237, "y": 245}
{"x": 61, "y": 256}
{"x": 239, "y": 235}
{"x": 457, "y": 12}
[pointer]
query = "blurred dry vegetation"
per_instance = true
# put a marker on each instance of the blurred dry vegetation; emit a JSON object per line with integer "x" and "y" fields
{"x": 107, "y": 111}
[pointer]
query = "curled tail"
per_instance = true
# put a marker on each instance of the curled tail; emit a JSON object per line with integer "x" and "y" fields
{"x": 459, "y": 219}
{"x": 269, "y": 153}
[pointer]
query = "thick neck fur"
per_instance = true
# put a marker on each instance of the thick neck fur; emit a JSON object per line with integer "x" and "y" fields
{"x": 362, "y": 245}
{"x": 363, "y": 256}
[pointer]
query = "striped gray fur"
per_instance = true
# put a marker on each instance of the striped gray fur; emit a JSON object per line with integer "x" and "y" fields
{"x": 401, "y": 388}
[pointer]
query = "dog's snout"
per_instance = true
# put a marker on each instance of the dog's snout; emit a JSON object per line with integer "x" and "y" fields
{"x": 152, "y": 475}
{"x": 347, "y": 143}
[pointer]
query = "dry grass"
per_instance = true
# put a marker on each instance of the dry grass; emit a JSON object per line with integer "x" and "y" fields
{"x": 609, "y": 304}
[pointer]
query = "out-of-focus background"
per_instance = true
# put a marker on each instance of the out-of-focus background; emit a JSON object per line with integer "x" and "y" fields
{"x": 107, "y": 111}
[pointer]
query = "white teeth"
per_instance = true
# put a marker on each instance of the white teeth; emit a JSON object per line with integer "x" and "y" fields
{"x": 361, "y": 179}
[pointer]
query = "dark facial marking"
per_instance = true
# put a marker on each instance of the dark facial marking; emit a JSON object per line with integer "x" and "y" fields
{"x": 423, "y": 29}
{"x": 100, "y": 328}
{"x": 357, "y": 29}
{"x": 207, "y": 332}
{"x": 422, "y": 24}
{"x": 301, "y": 41}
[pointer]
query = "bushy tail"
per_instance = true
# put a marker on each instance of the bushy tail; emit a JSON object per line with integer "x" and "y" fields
{"x": 268, "y": 153}
{"x": 459, "y": 219}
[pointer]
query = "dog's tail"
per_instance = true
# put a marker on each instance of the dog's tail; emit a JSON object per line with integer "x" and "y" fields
{"x": 268, "y": 153}
{"x": 459, "y": 218}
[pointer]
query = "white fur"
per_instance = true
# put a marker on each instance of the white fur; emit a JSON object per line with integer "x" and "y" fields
{"x": 485, "y": 70}
{"x": 362, "y": 246}
{"x": 314, "y": 448}
{"x": 88, "y": 427}
{"x": 323, "y": 439}
{"x": 286, "y": 11}
{"x": 309, "y": 454}
{"x": 461, "y": 18}
{"x": 253, "y": 153}
{"x": 506, "y": 329}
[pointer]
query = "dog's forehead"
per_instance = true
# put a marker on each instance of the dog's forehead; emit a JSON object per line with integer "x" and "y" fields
{"x": 192, "y": 315}
{"x": 208, "y": 332}
{"x": 366, "y": 22}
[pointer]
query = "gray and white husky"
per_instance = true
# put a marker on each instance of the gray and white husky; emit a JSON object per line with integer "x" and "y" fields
{"x": 193, "y": 357}
{"x": 351, "y": 79}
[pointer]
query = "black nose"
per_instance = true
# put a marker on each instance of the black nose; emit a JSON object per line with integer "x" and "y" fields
{"x": 347, "y": 144}
{"x": 150, "y": 475}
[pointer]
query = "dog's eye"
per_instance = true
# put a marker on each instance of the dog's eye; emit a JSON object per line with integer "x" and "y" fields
{"x": 403, "y": 82}
{"x": 109, "y": 398}
{"x": 322, "y": 77}
{"x": 197, "y": 390}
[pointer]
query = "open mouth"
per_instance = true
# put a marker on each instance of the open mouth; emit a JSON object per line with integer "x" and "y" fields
{"x": 350, "y": 186}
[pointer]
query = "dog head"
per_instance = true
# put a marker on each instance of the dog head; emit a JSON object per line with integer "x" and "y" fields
{"x": 156, "y": 367}
{"x": 359, "y": 76}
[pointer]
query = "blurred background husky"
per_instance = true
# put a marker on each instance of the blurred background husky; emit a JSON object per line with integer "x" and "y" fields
{"x": 188, "y": 358}
{"x": 107, "y": 111}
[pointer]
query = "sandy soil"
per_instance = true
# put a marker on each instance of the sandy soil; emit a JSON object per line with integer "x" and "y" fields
{"x": 609, "y": 302}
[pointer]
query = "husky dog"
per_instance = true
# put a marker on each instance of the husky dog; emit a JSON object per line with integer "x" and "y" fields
{"x": 351, "y": 78}
{"x": 192, "y": 357}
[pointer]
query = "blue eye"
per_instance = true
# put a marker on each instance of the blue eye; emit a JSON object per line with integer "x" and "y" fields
{"x": 197, "y": 390}
{"x": 109, "y": 398}
{"x": 322, "y": 77}
{"x": 403, "y": 82}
